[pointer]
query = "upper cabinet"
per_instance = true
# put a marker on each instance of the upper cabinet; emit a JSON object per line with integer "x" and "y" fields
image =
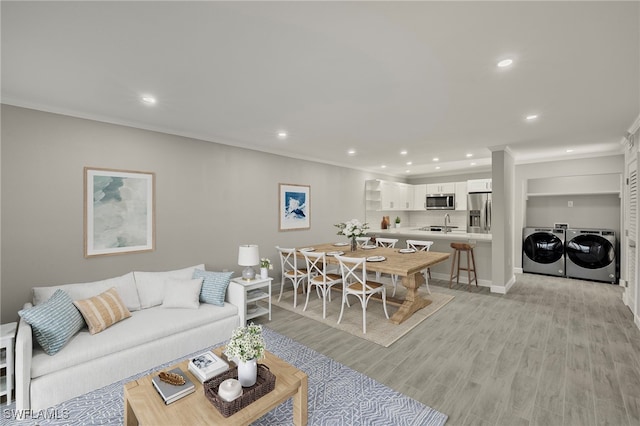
{"x": 461, "y": 195}
{"x": 441, "y": 188}
{"x": 395, "y": 196}
{"x": 419, "y": 197}
{"x": 479, "y": 185}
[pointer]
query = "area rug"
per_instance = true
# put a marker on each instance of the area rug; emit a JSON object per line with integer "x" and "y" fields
{"x": 379, "y": 329}
{"x": 337, "y": 395}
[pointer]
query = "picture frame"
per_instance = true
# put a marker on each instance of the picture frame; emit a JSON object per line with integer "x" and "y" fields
{"x": 119, "y": 211}
{"x": 295, "y": 207}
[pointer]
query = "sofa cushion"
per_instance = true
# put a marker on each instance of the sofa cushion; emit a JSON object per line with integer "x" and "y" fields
{"x": 102, "y": 311}
{"x": 214, "y": 286}
{"x": 151, "y": 284}
{"x": 125, "y": 285}
{"x": 54, "y": 322}
{"x": 182, "y": 293}
{"x": 143, "y": 327}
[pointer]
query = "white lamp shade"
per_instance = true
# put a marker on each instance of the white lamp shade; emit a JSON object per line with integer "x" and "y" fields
{"x": 248, "y": 255}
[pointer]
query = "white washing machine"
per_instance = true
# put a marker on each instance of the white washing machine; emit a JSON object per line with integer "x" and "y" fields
{"x": 543, "y": 251}
{"x": 591, "y": 254}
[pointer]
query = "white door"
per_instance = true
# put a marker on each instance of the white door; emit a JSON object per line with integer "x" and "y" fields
{"x": 631, "y": 224}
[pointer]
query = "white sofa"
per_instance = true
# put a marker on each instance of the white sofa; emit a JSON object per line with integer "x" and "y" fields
{"x": 151, "y": 336}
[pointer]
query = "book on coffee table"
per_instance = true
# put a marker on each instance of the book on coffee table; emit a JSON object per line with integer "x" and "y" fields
{"x": 207, "y": 365}
{"x": 171, "y": 393}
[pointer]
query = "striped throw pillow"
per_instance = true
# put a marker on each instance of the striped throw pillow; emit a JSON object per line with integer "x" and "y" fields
{"x": 53, "y": 322}
{"x": 214, "y": 286}
{"x": 102, "y": 311}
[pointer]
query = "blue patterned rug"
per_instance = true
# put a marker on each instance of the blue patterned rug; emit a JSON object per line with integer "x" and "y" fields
{"x": 337, "y": 395}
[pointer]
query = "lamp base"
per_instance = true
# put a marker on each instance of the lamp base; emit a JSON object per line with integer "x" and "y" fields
{"x": 248, "y": 273}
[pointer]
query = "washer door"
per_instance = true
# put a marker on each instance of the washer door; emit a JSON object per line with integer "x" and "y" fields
{"x": 542, "y": 247}
{"x": 590, "y": 251}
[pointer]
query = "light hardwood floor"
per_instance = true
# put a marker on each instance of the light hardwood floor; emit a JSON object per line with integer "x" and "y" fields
{"x": 553, "y": 351}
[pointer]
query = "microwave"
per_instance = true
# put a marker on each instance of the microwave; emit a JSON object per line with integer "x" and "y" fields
{"x": 441, "y": 201}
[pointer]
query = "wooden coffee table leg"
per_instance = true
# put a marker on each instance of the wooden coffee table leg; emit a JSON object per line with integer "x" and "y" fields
{"x": 130, "y": 418}
{"x": 300, "y": 402}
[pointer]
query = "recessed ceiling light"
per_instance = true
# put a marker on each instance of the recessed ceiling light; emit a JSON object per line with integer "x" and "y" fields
{"x": 473, "y": 164}
{"x": 437, "y": 167}
{"x": 351, "y": 152}
{"x": 384, "y": 166}
{"x": 531, "y": 117}
{"x": 403, "y": 152}
{"x": 148, "y": 100}
{"x": 436, "y": 159}
{"x": 408, "y": 171}
{"x": 505, "y": 63}
{"x": 569, "y": 150}
{"x": 409, "y": 163}
{"x": 469, "y": 155}
{"x": 282, "y": 134}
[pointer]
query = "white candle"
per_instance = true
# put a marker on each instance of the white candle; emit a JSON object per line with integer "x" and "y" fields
{"x": 230, "y": 389}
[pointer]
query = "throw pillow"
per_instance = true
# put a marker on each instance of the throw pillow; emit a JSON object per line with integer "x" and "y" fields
{"x": 54, "y": 322}
{"x": 151, "y": 284}
{"x": 214, "y": 286}
{"x": 182, "y": 293}
{"x": 102, "y": 311}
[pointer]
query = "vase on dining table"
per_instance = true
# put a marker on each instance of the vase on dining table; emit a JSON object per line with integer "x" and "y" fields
{"x": 354, "y": 244}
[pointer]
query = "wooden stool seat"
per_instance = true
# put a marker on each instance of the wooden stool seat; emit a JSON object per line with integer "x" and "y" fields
{"x": 458, "y": 248}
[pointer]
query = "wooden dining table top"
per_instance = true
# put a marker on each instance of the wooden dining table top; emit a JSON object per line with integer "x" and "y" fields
{"x": 396, "y": 262}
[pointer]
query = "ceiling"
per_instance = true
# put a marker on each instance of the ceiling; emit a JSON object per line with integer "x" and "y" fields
{"x": 375, "y": 77}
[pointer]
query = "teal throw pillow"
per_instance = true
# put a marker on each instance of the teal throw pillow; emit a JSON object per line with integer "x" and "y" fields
{"x": 54, "y": 322}
{"x": 214, "y": 286}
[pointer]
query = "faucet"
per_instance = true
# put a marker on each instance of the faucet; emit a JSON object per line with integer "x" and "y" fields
{"x": 446, "y": 217}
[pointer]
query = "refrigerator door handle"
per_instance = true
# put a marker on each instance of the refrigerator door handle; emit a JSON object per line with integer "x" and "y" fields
{"x": 488, "y": 226}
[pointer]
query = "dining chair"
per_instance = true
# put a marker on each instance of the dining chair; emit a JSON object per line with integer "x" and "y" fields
{"x": 390, "y": 243}
{"x": 290, "y": 271}
{"x": 419, "y": 245}
{"x": 362, "y": 241}
{"x": 318, "y": 277}
{"x": 354, "y": 282}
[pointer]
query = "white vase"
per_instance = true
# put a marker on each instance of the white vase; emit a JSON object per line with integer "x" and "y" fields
{"x": 247, "y": 372}
{"x": 264, "y": 273}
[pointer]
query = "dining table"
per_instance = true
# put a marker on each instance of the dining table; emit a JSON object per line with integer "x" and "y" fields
{"x": 406, "y": 264}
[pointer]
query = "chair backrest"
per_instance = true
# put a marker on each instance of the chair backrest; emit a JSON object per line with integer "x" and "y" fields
{"x": 316, "y": 263}
{"x": 354, "y": 270}
{"x": 362, "y": 241}
{"x": 386, "y": 242}
{"x": 419, "y": 245}
{"x": 288, "y": 259}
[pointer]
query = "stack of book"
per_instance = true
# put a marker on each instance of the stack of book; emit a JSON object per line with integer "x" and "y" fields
{"x": 171, "y": 393}
{"x": 207, "y": 365}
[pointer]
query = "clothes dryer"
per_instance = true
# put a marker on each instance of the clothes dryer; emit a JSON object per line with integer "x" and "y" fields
{"x": 543, "y": 251}
{"x": 591, "y": 254}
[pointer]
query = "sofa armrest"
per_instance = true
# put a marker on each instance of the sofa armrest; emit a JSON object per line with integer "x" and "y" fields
{"x": 24, "y": 353}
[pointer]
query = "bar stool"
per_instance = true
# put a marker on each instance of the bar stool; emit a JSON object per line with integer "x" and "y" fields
{"x": 458, "y": 248}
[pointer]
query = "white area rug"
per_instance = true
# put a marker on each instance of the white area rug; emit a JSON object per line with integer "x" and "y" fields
{"x": 379, "y": 329}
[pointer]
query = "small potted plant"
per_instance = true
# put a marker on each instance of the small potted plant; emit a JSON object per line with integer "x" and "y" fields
{"x": 265, "y": 266}
{"x": 245, "y": 347}
{"x": 397, "y": 221}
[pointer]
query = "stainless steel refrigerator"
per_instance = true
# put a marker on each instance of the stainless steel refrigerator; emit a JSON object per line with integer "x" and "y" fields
{"x": 479, "y": 213}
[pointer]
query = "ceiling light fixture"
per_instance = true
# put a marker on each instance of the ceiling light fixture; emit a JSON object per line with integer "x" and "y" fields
{"x": 403, "y": 152}
{"x": 351, "y": 152}
{"x": 409, "y": 163}
{"x": 436, "y": 159}
{"x": 384, "y": 166}
{"x": 437, "y": 167}
{"x": 469, "y": 155}
{"x": 473, "y": 164}
{"x": 505, "y": 63}
{"x": 148, "y": 100}
{"x": 408, "y": 171}
{"x": 531, "y": 117}
{"x": 282, "y": 134}
{"x": 569, "y": 150}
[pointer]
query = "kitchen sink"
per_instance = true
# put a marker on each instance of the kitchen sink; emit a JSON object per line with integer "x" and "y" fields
{"x": 435, "y": 228}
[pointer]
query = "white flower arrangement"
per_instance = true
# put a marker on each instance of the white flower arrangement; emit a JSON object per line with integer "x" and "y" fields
{"x": 246, "y": 343}
{"x": 352, "y": 228}
{"x": 265, "y": 263}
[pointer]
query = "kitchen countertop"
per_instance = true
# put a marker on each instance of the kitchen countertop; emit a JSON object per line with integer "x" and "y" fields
{"x": 414, "y": 232}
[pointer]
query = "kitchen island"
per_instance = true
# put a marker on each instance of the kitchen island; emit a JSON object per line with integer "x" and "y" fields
{"x": 442, "y": 241}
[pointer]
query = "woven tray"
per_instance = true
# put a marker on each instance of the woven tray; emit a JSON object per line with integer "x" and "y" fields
{"x": 265, "y": 383}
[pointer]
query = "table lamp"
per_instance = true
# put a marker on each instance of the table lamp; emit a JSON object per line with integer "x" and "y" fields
{"x": 248, "y": 256}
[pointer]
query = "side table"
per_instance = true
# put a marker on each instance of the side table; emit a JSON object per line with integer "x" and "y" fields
{"x": 246, "y": 293}
{"x": 7, "y": 337}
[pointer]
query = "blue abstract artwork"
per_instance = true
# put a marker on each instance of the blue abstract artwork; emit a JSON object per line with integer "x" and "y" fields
{"x": 294, "y": 207}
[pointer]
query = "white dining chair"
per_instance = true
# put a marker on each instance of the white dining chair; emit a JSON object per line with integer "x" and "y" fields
{"x": 390, "y": 243}
{"x": 354, "y": 282}
{"x": 290, "y": 271}
{"x": 318, "y": 277}
{"x": 360, "y": 241}
{"x": 420, "y": 245}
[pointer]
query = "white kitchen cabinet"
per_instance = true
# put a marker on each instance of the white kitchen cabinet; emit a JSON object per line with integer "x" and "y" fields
{"x": 419, "y": 197}
{"x": 405, "y": 199}
{"x": 461, "y": 196}
{"x": 479, "y": 185}
{"x": 395, "y": 196}
{"x": 441, "y": 188}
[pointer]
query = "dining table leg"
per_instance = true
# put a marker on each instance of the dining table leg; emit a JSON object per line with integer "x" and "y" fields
{"x": 412, "y": 301}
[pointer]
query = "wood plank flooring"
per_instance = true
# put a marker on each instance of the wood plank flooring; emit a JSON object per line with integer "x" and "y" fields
{"x": 552, "y": 351}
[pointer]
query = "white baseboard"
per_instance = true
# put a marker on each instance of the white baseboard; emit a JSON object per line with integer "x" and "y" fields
{"x": 503, "y": 289}
{"x": 463, "y": 279}
{"x": 518, "y": 271}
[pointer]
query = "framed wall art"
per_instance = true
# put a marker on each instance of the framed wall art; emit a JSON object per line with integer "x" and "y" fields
{"x": 119, "y": 211}
{"x": 294, "y": 207}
